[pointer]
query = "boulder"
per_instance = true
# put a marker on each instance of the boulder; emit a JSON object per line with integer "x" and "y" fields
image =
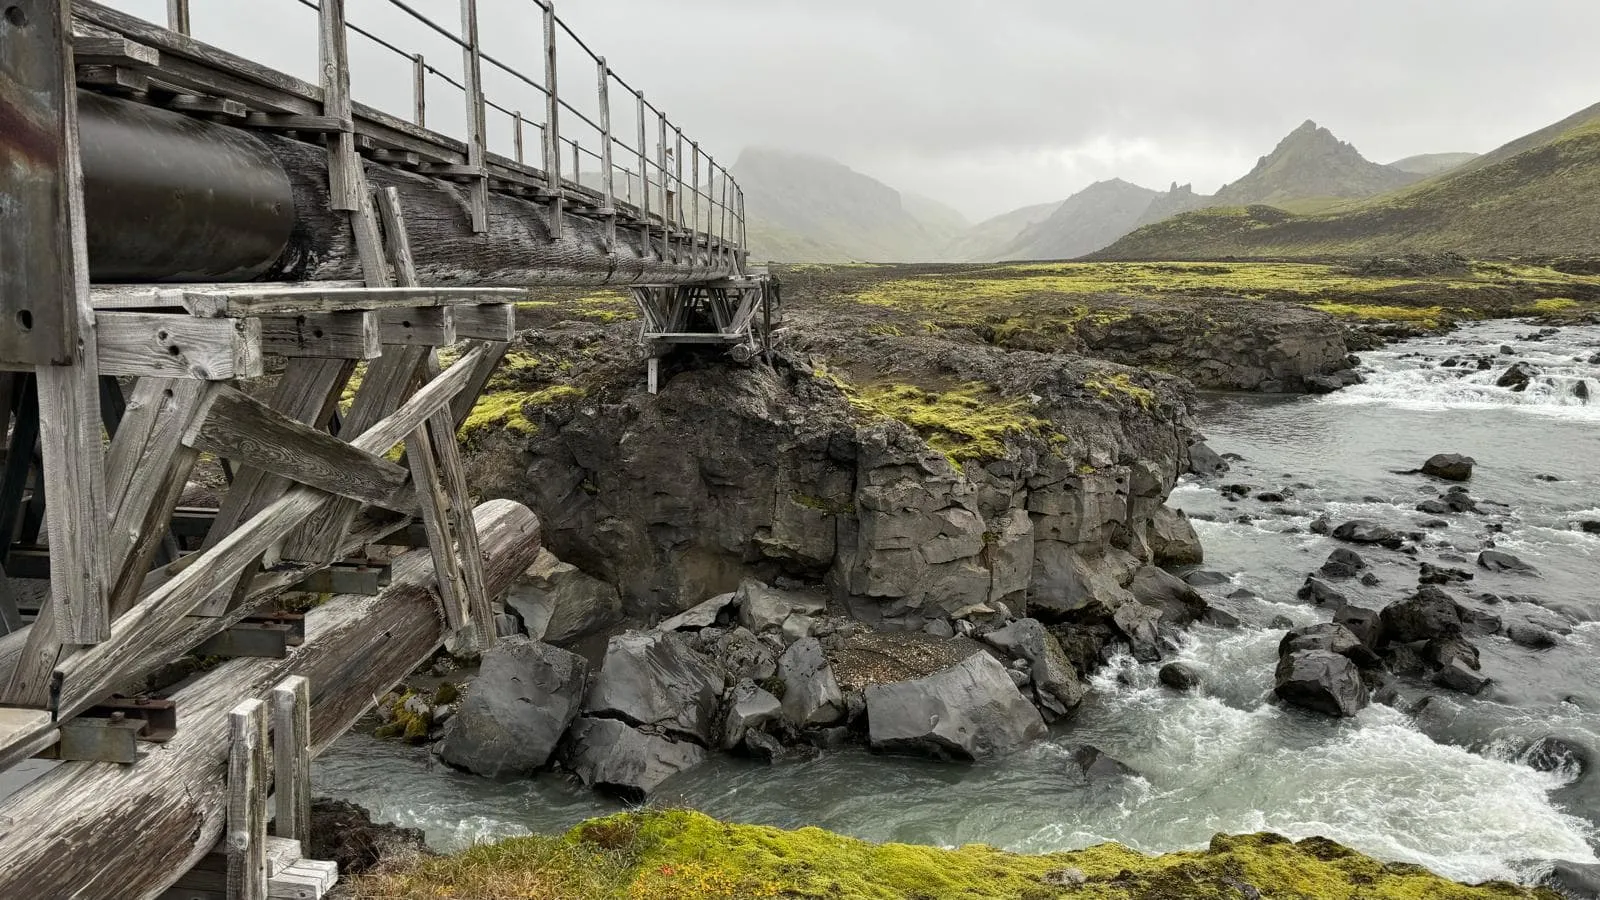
{"x": 1435, "y": 507}
{"x": 1449, "y": 466}
{"x": 1321, "y": 681}
{"x": 743, "y": 655}
{"x": 1054, "y": 680}
{"x": 1331, "y": 637}
{"x": 1206, "y": 578}
{"x": 763, "y": 608}
{"x": 1578, "y": 881}
{"x": 1432, "y": 574}
{"x": 559, "y": 604}
{"x": 619, "y": 759}
{"x": 967, "y": 711}
{"x": 1172, "y": 539}
{"x": 1179, "y": 676}
{"x": 1366, "y": 624}
{"x": 1137, "y": 623}
{"x": 525, "y": 696}
{"x": 1500, "y": 561}
{"x": 1427, "y": 614}
{"x": 1531, "y": 636}
{"x": 1320, "y": 592}
{"x": 1180, "y": 604}
{"x": 1458, "y": 676}
{"x": 1343, "y": 563}
{"x": 1444, "y": 651}
{"x": 653, "y": 679}
{"x": 703, "y": 615}
{"x": 811, "y": 695}
{"x": 751, "y": 709}
{"x": 1554, "y": 754}
{"x": 1204, "y": 461}
{"x": 1364, "y": 531}
{"x": 1517, "y": 377}
{"x": 1097, "y": 765}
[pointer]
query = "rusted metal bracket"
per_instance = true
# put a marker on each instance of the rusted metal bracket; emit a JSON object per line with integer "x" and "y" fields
{"x": 160, "y": 717}
{"x": 257, "y": 640}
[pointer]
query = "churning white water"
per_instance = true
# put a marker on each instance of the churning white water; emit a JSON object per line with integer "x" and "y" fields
{"x": 1444, "y": 786}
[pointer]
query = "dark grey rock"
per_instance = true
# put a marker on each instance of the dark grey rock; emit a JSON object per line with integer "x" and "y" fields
{"x": 559, "y": 604}
{"x": 700, "y": 616}
{"x": 525, "y": 696}
{"x": 1321, "y": 681}
{"x": 1205, "y": 461}
{"x": 1577, "y": 881}
{"x": 1220, "y": 618}
{"x": 1097, "y": 765}
{"x": 1517, "y": 377}
{"x": 1531, "y": 636}
{"x": 1449, "y": 466}
{"x": 1317, "y": 591}
{"x": 1179, "y": 676}
{"x": 654, "y": 679}
{"x": 1363, "y": 531}
{"x": 1435, "y": 507}
{"x": 1500, "y": 561}
{"x": 1053, "y": 678}
{"x": 1172, "y": 539}
{"x": 763, "y": 608}
{"x": 967, "y": 711}
{"x": 619, "y": 759}
{"x": 1555, "y": 754}
{"x": 811, "y": 695}
{"x": 743, "y": 655}
{"x": 1179, "y": 603}
{"x": 1432, "y": 574}
{"x": 1427, "y": 614}
{"x": 1343, "y": 563}
{"x": 1137, "y": 623}
{"x": 1458, "y": 676}
{"x": 1366, "y": 624}
{"x": 750, "y": 709}
{"x": 1205, "y": 578}
{"x": 1445, "y": 651}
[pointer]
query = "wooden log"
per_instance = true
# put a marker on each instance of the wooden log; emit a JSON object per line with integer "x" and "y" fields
{"x": 239, "y": 427}
{"x": 88, "y": 830}
{"x": 247, "y": 801}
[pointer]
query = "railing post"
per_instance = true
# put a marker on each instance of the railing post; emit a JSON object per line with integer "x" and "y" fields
{"x": 694, "y": 230}
{"x": 744, "y": 252}
{"x": 477, "y": 125}
{"x": 666, "y": 196}
{"x": 607, "y": 177}
{"x": 677, "y": 174}
{"x": 516, "y": 133}
{"x": 344, "y": 168}
{"x": 577, "y": 164}
{"x": 644, "y": 175}
{"x": 419, "y": 89}
{"x": 552, "y": 120}
{"x": 178, "y": 16}
{"x": 722, "y": 223}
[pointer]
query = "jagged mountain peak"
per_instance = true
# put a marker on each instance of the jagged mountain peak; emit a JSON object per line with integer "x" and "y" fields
{"x": 1312, "y": 162}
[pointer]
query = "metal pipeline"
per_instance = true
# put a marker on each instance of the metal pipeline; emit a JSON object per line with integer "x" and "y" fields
{"x": 169, "y": 197}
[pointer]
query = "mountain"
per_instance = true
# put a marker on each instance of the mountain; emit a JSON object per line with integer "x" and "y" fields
{"x": 942, "y": 222}
{"x": 1177, "y": 199}
{"x": 806, "y": 208}
{"x": 986, "y": 240}
{"x": 1427, "y": 164}
{"x": 1534, "y": 196}
{"x": 1311, "y": 163}
{"x": 1087, "y": 221}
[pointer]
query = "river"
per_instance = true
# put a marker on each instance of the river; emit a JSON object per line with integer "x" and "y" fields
{"x": 1444, "y": 786}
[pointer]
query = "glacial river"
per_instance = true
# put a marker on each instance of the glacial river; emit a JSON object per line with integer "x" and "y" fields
{"x": 1444, "y": 785}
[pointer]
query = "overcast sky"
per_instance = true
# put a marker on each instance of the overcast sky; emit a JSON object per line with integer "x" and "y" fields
{"x": 993, "y": 104}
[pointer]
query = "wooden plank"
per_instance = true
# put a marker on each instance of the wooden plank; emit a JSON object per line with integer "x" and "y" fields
{"x": 245, "y": 302}
{"x": 168, "y": 345}
{"x": 334, "y": 335}
{"x": 178, "y": 16}
{"x": 477, "y": 129}
{"x": 90, "y": 672}
{"x": 441, "y": 435}
{"x": 113, "y": 79}
{"x": 247, "y": 802}
{"x": 419, "y": 327}
{"x": 171, "y": 297}
{"x": 113, "y": 51}
{"x": 346, "y": 184}
{"x": 485, "y": 322}
{"x": 435, "y": 523}
{"x": 289, "y": 122}
{"x": 240, "y": 427}
{"x": 217, "y": 106}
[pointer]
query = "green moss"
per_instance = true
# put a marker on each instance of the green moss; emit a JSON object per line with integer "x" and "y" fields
{"x": 1121, "y": 384}
{"x": 682, "y": 854}
{"x": 447, "y": 693}
{"x": 506, "y": 410}
{"x": 966, "y": 423}
{"x": 1427, "y": 317}
{"x": 1554, "y": 304}
{"x": 406, "y": 725}
{"x": 823, "y": 504}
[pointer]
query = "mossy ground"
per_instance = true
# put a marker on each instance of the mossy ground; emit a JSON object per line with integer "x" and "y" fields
{"x": 656, "y": 855}
{"x": 965, "y": 422}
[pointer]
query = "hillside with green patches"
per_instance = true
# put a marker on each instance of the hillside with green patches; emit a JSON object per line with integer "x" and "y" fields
{"x": 667, "y": 854}
{"x": 1533, "y": 197}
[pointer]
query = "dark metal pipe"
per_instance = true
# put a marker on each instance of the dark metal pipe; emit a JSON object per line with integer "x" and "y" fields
{"x": 169, "y": 197}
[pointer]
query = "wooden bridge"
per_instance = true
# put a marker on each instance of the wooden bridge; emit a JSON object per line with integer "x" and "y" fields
{"x": 200, "y": 259}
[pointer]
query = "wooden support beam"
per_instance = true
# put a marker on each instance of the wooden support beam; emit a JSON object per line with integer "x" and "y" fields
{"x": 178, "y": 346}
{"x": 346, "y": 184}
{"x": 171, "y": 807}
{"x": 247, "y": 802}
{"x": 250, "y": 301}
{"x": 485, "y": 322}
{"x": 477, "y": 127}
{"x": 427, "y": 326}
{"x": 333, "y": 335}
{"x": 436, "y": 524}
{"x": 116, "y": 50}
{"x": 113, "y": 80}
{"x": 239, "y": 427}
{"x": 215, "y": 106}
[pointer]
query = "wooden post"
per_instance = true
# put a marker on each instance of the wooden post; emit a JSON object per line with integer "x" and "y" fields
{"x": 677, "y": 179}
{"x": 694, "y": 229}
{"x": 552, "y": 120}
{"x": 247, "y": 801}
{"x": 344, "y": 166}
{"x": 477, "y": 126}
{"x": 178, "y": 16}
{"x": 419, "y": 89}
{"x": 744, "y": 252}
{"x": 291, "y": 758}
{"x": 644, "y": 178}
{"x": 722, "y": 226}
{"x": 666, "y": 196}
{"x": 516, "y": 133}
{"x": 607, "y": 177}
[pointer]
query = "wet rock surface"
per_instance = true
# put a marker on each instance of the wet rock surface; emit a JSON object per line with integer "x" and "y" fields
{"x": 968, "y": 711}
{"x": 516, "y": 710}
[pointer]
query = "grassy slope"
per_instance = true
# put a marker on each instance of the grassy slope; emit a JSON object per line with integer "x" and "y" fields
{"x": 680, "y": 854}
{"x": 1532, "y": 197}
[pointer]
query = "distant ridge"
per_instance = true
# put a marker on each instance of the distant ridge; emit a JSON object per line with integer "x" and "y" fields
{"x": 1310, "y": 163}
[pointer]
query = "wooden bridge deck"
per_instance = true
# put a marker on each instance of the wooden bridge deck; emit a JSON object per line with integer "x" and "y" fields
{"x": 114, "y": 394}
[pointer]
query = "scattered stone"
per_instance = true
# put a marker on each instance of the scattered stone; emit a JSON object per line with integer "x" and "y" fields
{"x": 1371, "y": 579}
{"x": 1484, "y": 364}
{"x": 1458, "y": 676}
{"x": 1321, "y": 525}
{"x": 525, "y": 697}
{"x": 1449, "y": 466}
{"x": 969, "y": 711}
{"x": 1238, "y": 490}
{"x": 1581, "y": 389}
{"x": 1435, "y": 507}
{"x": 1321, "y": 681}
{"x": 750, "y": 710}
{"x": 1554, "y": 754}
{"x": 1366, "y": 624}
{"x": 1137, "y": 623}
{"x": 344, "y": 833}
{"x": 1363, "y": 531}
{"x": 1531, "y": 636}
{"x": 1208, "y": 578}
{"x": 613, "y": 757}
{"x": 1517, "y": 377}
{"x": 763, "y": 608}
{"x": 743, "y": 655}
{"x": 1172, "y": 539}
{"x": 1272, "y": 497}
{"x": 703, "y": 615}
{"x": 1317, "y": 591}
{"x": 1445, "y": 651}
{"x": 1064, "y": 877}
{"x": 939, "y": 628}
{"x": 1220, "y": 618}
{"x": 1578, "y": 881}
{"x": 1329, "y": 636}
{"x": 811, "y": 696}
{"x": 1432, "y": 574}
{"x": 1500, "y": 561}
{"x": 1589, "y": 526}
{"x": 1204, "y": 461}
{"x": 1054, "y": 680}
{"x": 654, "y": 679}
{"x": 1179, "y": 676}
{"x": 1343, "y": 563}
{"x": 1180, "y": 604}
{"x": 559, "y": 604}
{"x": 1097, "y": 765}
{"x": 1427, "y": 614}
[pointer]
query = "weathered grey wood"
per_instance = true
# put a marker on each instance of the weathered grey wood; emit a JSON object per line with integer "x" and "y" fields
{"x": 485, "y": 322}
{"x": 216, "y": 106}
{"x": 178, "y": 16}
{"x": 113, "y": 79}
{"x": 239, "y": 427}
{"x": 334, "y": 335}
{"x": 552, "y": 121}
{"x": 477, "y": 127}
{"x": 419, "y": 90}
{"x": 396, "y": 240}
{"x": 435, "y": 524}
{"x": 441, "y": 435}
{"x": 346, "y": 184}
{"x": 113, "y": 51}
{"x": 247, "y": 802}
{"x": 169, "y": 297}
{"x": 92, "y": 671}
{"x": 428, "y": 326}
{"x": 178, "y": 346}
{"x": 607, "y": 176}
{"x": 291, "y": 758}
{"x": 292, "y": 122}
{"x": 248, "y": 301}
{"x": 146, "y": 824}
{"x": 461, "y": 407}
